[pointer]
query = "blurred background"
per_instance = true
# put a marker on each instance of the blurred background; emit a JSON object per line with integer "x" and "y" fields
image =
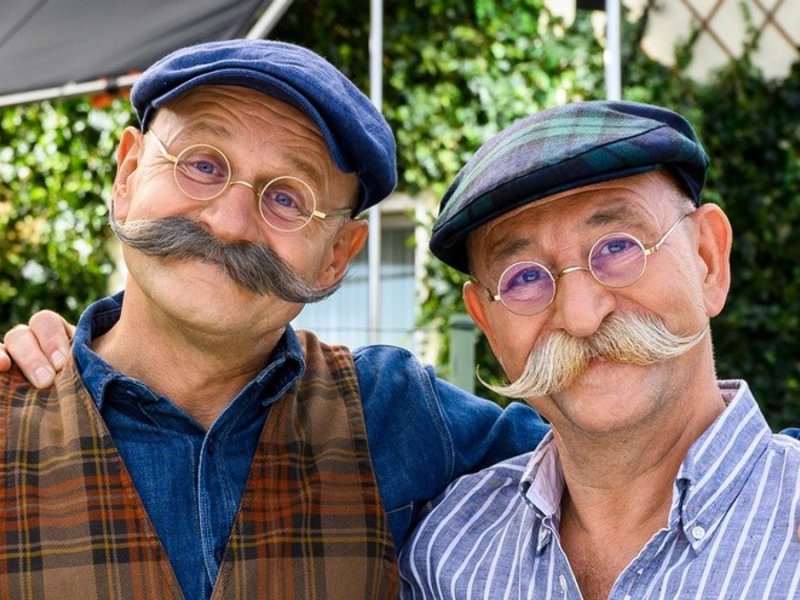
{"x": 447, "y": 75}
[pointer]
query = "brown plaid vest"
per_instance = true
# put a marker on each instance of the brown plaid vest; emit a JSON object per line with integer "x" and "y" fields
{"x": 310, "y": 524}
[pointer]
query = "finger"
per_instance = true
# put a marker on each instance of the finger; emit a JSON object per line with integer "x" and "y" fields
{"x": 53, "y": 335}
{"x": 5, "y": 359}
{"x": 22, "y": 346}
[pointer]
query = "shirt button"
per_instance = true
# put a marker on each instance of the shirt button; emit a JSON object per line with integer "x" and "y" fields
{"x": 562, "y": 581}
{"x": 698, "y": 532}
{"x": 544, "y": 537}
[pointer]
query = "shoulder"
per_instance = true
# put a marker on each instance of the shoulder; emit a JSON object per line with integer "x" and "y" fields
{"x": 476, "y": 513}
{"x": 502, "y": 479}
{"x": 771, "y": 480}
{"x": 787, "y": 447}
{"x": 393, "y": 379}
{"x": 381, "y": 362}
{"x": 480, "y": 498}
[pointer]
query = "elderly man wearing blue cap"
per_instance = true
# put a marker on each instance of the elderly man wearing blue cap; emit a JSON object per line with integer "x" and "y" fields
{"x": 194, "y": 446}
{"x": 594, "y": 273}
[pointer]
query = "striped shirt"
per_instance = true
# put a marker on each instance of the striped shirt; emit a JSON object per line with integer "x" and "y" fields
{"x": 732, "y": 529}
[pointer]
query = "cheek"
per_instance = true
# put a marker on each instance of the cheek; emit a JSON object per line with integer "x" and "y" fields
{"x": 514, "y": 338}
{"x": 676, "y": 295}
{"x": 155, "y": 199}
{"x": 305, "y": 256}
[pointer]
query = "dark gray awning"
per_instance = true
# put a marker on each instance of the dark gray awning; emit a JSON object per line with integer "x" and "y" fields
{"x": 53, "y": 48}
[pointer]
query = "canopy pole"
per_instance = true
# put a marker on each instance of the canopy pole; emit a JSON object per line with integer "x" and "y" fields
{"x": 611, "y": 56}
{"x": 268, "y": 19}
{"x": 374, "y": 244}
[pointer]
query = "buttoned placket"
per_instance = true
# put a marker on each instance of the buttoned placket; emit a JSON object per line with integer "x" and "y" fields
{"x": 209, "y": 455}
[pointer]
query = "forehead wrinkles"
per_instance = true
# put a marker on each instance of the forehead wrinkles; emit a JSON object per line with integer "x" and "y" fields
{"x": 522, "y": 234}
{"x": 249, "y": 123}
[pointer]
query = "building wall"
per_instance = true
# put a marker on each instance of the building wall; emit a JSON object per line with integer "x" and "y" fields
{"x": 723, "y": 31}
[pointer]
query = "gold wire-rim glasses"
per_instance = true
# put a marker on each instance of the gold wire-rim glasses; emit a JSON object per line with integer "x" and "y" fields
{"x": 554, "y": 277}
{"x": 307, "y": 217}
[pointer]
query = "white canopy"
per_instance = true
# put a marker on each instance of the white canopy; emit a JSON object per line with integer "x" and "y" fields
{"x": 54, "y": 48}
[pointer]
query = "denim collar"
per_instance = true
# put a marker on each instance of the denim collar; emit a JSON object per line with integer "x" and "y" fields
{"x": 284, "y": 367}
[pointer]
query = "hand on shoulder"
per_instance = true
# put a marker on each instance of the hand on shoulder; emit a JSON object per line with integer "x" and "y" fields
{"x": 39, "y": 349}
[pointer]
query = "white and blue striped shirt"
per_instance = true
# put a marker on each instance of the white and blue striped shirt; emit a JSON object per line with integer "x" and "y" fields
{"x": 732, "y": 530}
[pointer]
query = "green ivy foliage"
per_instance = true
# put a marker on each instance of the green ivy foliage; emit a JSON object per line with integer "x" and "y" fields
{"x": 56, "y": 165}
{"x": 752, "y": 132}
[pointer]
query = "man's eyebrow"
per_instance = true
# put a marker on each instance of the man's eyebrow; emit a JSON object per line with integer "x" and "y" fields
{"x": 305, "y": 168}
{"x": 198, "y": 131}
{"x": 618, "y": 212}
{"x": 503, "y": 251}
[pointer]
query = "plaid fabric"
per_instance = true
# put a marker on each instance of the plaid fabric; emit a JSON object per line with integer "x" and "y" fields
{"x": 71, "y": 524}
{"x": 311, "y": 524}
{"x": 561, "y": 149}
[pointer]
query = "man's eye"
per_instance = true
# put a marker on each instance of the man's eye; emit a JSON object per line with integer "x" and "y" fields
{"x": 616, "y": 245}
{"x": 523, "y": 276}
{"x": 205, "y": 168}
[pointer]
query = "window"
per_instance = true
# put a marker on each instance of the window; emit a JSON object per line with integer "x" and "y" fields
{"x": 344, "y": 317}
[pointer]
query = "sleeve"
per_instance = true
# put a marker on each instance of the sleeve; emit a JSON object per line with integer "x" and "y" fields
{"x": 424, "y": 432}
{"x": 792, "y": 432}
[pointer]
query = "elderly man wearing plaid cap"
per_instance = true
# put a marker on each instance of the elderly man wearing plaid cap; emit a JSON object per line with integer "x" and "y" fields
{"x": 594, "y": 272}
{"x": 194, "y": 446}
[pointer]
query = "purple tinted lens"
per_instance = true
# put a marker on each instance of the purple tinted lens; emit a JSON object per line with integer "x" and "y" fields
{"x": 526, "y": 288}
{"x": 287, "y": 203}
{"x": 617, "y": 260}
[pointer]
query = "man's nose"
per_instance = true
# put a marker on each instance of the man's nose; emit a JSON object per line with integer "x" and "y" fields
{"x": 233, "y": 215}
{"x": 581, "y": 303}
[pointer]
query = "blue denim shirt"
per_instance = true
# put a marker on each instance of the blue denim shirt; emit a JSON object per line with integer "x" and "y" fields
{"x": 423, "y": 433}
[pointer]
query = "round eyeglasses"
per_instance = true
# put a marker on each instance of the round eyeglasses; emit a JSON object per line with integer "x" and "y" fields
{"x": 286, "y": 203}
{"x": 616, "y": 260}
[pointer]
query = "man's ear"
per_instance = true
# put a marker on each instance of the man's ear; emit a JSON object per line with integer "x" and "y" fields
{"x": 348, "y": 242}
{"x": 476, "y": 301}
{"x": 714, "y": 250}
{"x": 128, "y": 155}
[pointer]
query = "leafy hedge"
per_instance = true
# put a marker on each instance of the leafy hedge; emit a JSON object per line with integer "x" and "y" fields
{"x": 56, "y": 164}
{"x": 752, "y": 132}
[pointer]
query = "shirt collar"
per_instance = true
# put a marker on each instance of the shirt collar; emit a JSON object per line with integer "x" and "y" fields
{"x": 284, "y": 367}
{"x": 718, "y": 464}
{"x": 542, "y": 483}
{"x": 709, "y": 479}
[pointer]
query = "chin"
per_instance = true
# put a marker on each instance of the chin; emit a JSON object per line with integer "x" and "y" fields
{"x": 610, "y": 398}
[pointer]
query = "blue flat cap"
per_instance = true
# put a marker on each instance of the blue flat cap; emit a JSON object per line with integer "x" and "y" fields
{"x": 358, "y": 137}
{"x": 560, "y": 149}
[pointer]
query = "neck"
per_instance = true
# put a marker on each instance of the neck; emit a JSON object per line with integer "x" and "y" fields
{"x": 199, "y": 369}
{"x": 619, "y": 485}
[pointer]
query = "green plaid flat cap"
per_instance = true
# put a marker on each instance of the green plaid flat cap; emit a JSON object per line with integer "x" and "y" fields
{"x": 561, "y": 149}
